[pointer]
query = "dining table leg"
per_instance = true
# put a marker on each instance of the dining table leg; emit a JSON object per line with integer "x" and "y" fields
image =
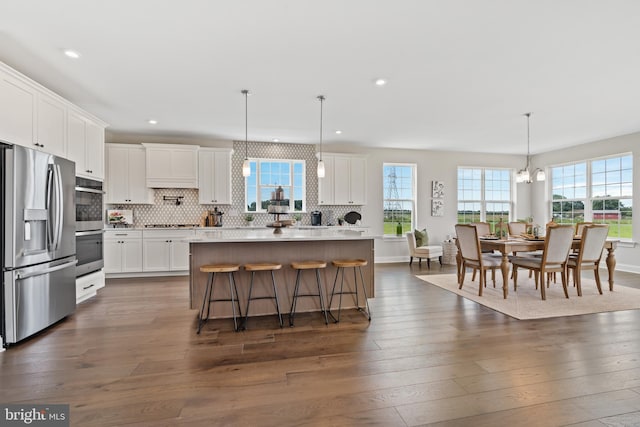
{"x": 611, "y": 265}
{"x": 504, "y": 266}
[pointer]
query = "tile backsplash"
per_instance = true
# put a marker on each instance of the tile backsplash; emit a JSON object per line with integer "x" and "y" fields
{"x": 190, "y": 211}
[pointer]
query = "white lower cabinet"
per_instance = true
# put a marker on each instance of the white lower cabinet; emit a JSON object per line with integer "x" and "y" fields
{"x": 122, "y": 251}
{"x": 88, "y": 285}
{"x": 134, "y": 253}
{"x": 166, "y": 250}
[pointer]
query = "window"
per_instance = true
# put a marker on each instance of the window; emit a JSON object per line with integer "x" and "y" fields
{"x": 399, "y": 198}
{"x": 569, "y": 193}
{"x": 598, "y": 190}
{"x": 267, "y": 175}
{"x": 484, "y": 195}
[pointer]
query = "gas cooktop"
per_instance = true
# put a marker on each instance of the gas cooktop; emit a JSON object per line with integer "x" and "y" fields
{"x": 171, "y": 225}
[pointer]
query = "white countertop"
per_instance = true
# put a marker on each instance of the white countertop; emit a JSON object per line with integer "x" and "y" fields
{"x": 253, "y": 227}
{"x": 263, "y": 234}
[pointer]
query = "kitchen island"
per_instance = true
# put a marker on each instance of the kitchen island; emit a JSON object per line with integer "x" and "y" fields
{"x": 262, "y": 245}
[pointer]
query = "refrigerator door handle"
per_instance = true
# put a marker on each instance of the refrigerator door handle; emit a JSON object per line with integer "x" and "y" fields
{"x": 59, "y": 206}
{"x": 50, "y": 221}
{"x": 21, "y": 276}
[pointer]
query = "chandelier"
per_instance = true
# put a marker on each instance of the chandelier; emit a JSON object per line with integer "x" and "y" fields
{"x": 526, "y": 175}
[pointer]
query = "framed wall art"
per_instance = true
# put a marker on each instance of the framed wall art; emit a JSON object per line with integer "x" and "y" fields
{"x": 437, "y": 207}
{"x": 437, "y": 189}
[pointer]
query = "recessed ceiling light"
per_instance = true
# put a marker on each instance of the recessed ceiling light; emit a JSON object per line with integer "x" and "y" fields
{"x": 338, "y": 132}
{"x": 71, "y": 53}
{"x": 152, "y": 122}
{"x": 381, "y": 82}
{"x": 276, "y": 140}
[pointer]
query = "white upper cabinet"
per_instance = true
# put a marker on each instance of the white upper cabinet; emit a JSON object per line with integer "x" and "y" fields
{"x": 172, "y": 165}
{"x": 35, "y": 117}
{"x": 17, "y": 111}
{"x": 126, "y": 178}
{"x": 214, "y": 176}
{"x": 345, "y": 180}
{"x": 326, "y": 193}
{"x": 51, "y": 116}
{"x": 85, "y": 145}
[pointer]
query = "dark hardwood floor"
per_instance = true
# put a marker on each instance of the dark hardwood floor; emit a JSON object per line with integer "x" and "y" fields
{"x": 131, "y": 357}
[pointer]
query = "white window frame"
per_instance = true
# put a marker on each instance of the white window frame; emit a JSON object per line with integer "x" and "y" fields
{"x": 412, "y": 200}
{"x": 256, "y": 165}
{"x": 589, "y": 197}
{"x": 483, "y": 201}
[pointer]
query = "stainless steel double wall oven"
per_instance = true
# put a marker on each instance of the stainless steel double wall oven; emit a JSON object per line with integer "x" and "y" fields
{"x": 89, "y": 226}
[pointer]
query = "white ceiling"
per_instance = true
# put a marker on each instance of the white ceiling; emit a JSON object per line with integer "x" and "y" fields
{"x": 461, "y": 72}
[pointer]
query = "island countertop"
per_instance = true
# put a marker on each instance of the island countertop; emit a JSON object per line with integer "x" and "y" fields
{"x": 288, "y": 234}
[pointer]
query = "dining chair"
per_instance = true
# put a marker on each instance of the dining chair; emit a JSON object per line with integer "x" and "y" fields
{"x": 589, "y": 254}
{"x": 484, "y": 229}
{"x": 580, "y": 227}
{"x": 518, "y": 228}
{"x": 554, "y": 258}
{"x": 471, "y": 255}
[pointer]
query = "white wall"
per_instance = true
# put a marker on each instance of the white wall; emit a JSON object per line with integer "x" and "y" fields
{"x": 627, "y": 254}
{"x": 431, "y": 165}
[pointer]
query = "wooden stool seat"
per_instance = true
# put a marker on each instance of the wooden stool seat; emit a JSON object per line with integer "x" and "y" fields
{"x": 349, "y": 262}
{"x": 262, "y": 266}
{"x": 356, "y": 264}
{"x": 220, "y": 268}
{"x": 212, "y": 270}
{"x": 308, "y": 265}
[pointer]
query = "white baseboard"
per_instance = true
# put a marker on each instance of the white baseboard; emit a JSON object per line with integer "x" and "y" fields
{"x": 147, "y": 274}
{"x": 391, "y": 259}
{"x": 403, "y": 259}
{"x": 627, "y": 268}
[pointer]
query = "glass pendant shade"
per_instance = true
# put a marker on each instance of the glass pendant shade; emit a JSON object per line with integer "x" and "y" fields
{"x": 541, "y": 175}
{"x": 320, "y": 162}
{"x": 246, "y": 168}
{"x": 320, "y": 169}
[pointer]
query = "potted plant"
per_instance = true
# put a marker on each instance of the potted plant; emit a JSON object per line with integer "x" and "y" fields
{"x": 249, "y": 218}
{"x": 297, "y": 218}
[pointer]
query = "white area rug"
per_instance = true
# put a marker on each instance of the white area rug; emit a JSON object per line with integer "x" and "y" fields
{"x": 527, "y": 304}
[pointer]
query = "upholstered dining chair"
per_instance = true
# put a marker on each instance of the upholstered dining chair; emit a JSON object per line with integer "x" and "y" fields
{"x": 471, "y": 255}
{"x": 589, "y": 254}
{"x": 554, "y": 258}
{"x": 518, "y": 228}
{"x": 484, "y": 229}
{"x": 580, "y": 227}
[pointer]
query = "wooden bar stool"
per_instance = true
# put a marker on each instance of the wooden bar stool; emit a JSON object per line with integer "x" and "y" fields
{"x": 212, "y": 269}
{"x": 307, "y": 265}
{"x": 263, "y": 266}
{"x": 355, "y": 264}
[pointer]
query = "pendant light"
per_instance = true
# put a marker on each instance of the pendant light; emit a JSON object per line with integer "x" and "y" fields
{"x": 320, "y": 162}
{"x": 246, "y": 167}
{"x": 525, "y": 175}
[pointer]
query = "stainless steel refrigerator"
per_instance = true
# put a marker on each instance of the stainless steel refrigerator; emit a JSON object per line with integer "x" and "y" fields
{"x": 37, "y": 242}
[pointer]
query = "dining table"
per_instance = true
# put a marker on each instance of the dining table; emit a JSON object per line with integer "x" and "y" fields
{"x": 513, "y": 245}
